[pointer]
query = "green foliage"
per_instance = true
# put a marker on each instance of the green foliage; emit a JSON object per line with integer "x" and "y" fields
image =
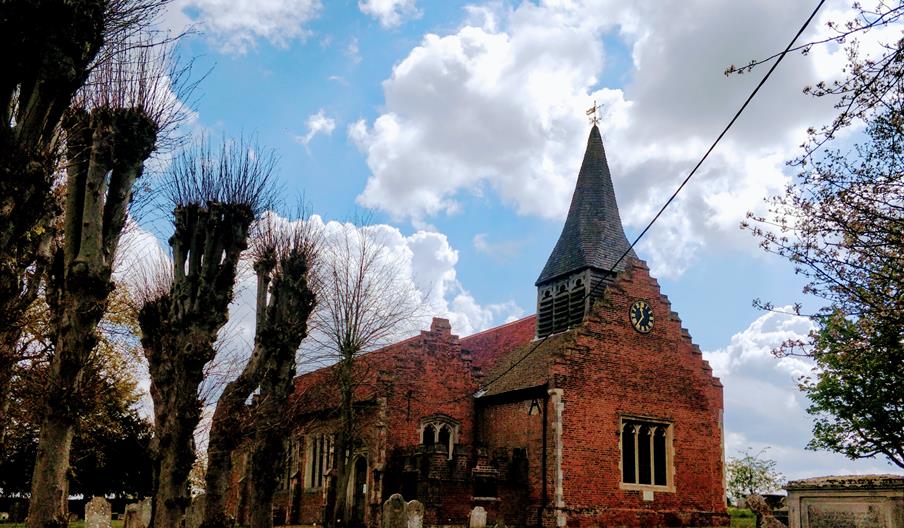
{"x": 110, "y": 452}
{"x": 751, "y": 473}
{"x": 841, "y": 223}
{"x": 858, "y": 395}
{"x": 741, "y": 518}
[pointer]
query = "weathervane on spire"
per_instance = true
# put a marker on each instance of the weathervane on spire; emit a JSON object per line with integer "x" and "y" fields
{"x": 593, "y": 112}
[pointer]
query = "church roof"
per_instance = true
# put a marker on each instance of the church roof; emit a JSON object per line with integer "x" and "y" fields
{"x": 593, "y": 236}
{"x": 489, "y": 346}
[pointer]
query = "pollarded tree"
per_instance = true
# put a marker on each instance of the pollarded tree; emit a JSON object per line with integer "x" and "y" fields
{"x": 284, "y": 254}
{"x": 215, "y": 195}
{"x": 110, "y": 130}
{"x": 50, "y": 48}
{"x": 841, "y": 223}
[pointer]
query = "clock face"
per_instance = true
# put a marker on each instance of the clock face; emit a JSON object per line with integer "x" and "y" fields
{"x": 641, "y": 316}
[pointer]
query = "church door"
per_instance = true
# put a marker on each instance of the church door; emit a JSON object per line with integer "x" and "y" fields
{"x": 359, "y": 496}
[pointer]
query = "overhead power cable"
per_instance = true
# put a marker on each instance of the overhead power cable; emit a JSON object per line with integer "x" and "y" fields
{"x": 693, "y": 171}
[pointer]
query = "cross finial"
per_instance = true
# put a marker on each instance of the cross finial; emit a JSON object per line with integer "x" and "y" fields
{"x": 593, "y": 113}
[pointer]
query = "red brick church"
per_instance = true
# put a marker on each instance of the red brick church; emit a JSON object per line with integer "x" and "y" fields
{"x": 598, "y": 411}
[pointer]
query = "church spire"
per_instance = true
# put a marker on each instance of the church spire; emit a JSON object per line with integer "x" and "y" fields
{"x": 593, "y": 236}
{"x": 591, "y": 242}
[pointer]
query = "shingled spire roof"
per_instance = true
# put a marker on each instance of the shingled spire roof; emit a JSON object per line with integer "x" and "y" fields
{"x": 593, "y": 236}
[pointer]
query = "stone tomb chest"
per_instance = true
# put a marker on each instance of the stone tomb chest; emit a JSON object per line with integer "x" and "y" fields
{"x": 855, "y": 501}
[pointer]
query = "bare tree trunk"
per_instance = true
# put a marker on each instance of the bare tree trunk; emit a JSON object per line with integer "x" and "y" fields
{"x": 266, "y": 461}
{"x": 215, "y": 202}
{"x": 345, "y": 438}
{"x": 8, "y": 354}
{"x": 100, "y": 143}
{"x": 282, "y": 258}
{"x": 175, "y": 380}
{"x": 224, "y": 438}
{"x": 176, "y": 412}
{"x": 47, "y": 49}
{"x": 271, "y": 430}
{"x": 48, "y": 505}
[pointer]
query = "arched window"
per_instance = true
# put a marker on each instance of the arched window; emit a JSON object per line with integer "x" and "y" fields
{"x": 628, "y": 444}
{"x": 429, "y": 436}
{"x": 660, "y": 475}
{"x": 643, "y": 455}
{"x": 646, "y": 454}
{"x": 445, "y": 438}
{"x": 440, "y": 430}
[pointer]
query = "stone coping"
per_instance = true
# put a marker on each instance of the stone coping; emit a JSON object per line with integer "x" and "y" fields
{"x": 849, "y": 482}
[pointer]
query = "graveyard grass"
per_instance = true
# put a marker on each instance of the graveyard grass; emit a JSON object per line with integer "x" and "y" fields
{"x": 742, "y": 518}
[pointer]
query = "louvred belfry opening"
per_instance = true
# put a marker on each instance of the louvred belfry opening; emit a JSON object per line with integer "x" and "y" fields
{"x": 591, "y": 243}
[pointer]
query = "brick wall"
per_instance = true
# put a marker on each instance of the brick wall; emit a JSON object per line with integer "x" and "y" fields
{"x": 611, "y": 370}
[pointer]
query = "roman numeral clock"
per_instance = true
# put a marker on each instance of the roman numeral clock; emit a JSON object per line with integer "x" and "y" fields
{"x": 641, "y": 316}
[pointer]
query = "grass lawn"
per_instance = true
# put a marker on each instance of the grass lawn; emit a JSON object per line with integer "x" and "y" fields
{"x": 741, "y": 518}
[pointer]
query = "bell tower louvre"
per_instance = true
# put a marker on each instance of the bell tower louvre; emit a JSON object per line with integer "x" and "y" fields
{"x": 588, "y": 250}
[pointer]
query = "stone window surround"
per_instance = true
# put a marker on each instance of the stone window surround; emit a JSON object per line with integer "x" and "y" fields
{"x": 323, "y": 444}
{"x": 669, "y": 453}
{"x": 438, "y": 421}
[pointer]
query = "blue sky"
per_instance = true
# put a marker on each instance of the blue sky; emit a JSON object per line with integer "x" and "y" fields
{"x": 461, "y": 127}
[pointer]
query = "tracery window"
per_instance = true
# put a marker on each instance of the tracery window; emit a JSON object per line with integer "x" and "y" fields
{"x": 439, "y": 429}
{"x": 646, "y": 454}
{"x": 318, "y": 459}
{"x": 291, "y": 464}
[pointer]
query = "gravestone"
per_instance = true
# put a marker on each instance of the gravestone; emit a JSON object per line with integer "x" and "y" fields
{"x": 98, "y": 513}
{"x": 394, "y": 514}
{"x": 194, "y": 515}
{"x": 138, "y": 514}
{"x": 478, "y": 518}
{"x": 415, "y": 514}
{"x": 853, "y": 501}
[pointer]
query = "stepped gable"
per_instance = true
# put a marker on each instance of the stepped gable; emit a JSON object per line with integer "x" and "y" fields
{"x": 317, "y": 390}
{"x": 593, "y": 236}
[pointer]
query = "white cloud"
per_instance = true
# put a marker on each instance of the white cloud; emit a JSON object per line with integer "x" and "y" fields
{"x": 499, "y": 104}
{"x": 500, "y": 251}
{"x": 764, "y": 408}
{"x": 427, "y": 262}
{"x": 389, "y": 13}
{"x": 235, "y": 26}
{"x": 318, "y": 123}
{"x": 352, "y": 50}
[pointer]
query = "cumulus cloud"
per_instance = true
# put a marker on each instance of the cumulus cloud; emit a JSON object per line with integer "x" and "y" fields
{"x": 426, "y": 262}
{"x": 499, "y": 105}
{"x": 499, "y": 251}
{"x": 236, "y": 26}
{"x": 318, "y": 123}
{"x": 764, "y": 408}
{"x": 389, "y": 13}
